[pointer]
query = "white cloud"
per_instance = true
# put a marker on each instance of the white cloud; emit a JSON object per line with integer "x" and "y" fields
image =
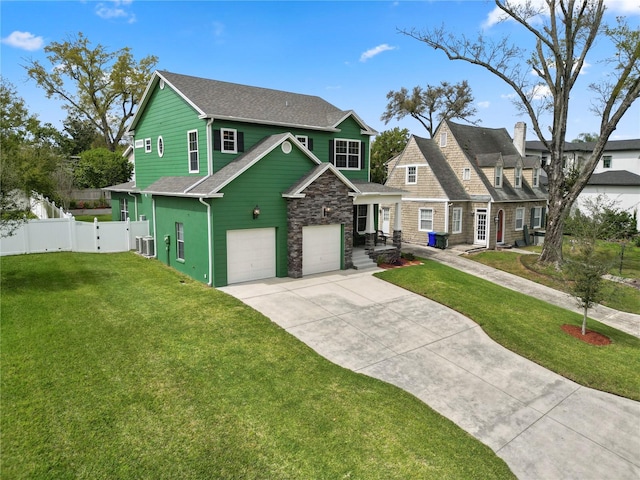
{"x": 23, "y": 40}
{"x": 372, "y": 52}
{"x": 540, "y": 91}
{"x": 484, "y": 104}
{"x": 115, "y": 9}
{"x": 508, "y": 96}
{"x": 623, "y": 6}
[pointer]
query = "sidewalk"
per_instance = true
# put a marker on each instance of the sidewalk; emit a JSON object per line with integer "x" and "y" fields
{"x": 625, "y": 322}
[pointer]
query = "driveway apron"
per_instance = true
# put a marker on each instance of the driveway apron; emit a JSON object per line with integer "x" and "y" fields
{"x": 541, "y": 424}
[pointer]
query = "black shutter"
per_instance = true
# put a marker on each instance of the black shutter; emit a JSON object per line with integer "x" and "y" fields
{"x": 217, "y": 144}
{"x": 533, "y": 211}
{"x": 542, "y": 218}
{"x": 310, "y": 144}
{"x": 241, "y": 141}
{"x": 331, "y": 156}
{"x": 362, "y": 144}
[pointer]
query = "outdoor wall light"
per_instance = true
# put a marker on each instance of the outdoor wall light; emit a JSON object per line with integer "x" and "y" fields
{"x": 326, "y": 211}
{"x": 256, "y": 212}
{"x": 496, "y": 218}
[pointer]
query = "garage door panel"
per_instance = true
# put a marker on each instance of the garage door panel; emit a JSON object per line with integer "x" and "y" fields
{"x": 251, "y": 254}
{"x": 321, "y": 248}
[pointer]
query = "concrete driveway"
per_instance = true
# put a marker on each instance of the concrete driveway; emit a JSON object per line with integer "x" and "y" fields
{"x": 543, "y": 425}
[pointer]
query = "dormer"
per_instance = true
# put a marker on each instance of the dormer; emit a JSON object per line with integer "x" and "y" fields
{"x": 517, "y": 174}
{"x": 498, "y": 173}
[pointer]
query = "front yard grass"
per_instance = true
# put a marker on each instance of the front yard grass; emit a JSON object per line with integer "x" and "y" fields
{"x": 617, "y": 295}
{"x": 114, "y": 366}
{"x": 530, "y": 327}
{"x": 106, "y": 217}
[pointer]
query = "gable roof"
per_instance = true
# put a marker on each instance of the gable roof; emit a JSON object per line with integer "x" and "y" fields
{"x": 476, "y": 141}
{"x": 242, "y": 103}
{"x": 297, "y": 189}
{"x": 441, "y": 169}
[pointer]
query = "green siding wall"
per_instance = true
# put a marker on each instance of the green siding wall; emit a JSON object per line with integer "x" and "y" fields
{"x": 193, "y": 215}
{"x": 262, "y": 185}
{"x": 168, "y": 115}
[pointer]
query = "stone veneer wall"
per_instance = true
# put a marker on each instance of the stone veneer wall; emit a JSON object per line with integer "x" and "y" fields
{"x": 326, "y": 192}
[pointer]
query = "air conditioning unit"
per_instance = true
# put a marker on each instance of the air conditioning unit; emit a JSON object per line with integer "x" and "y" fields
{"x": 148, "y": 247}
{"x": 139, "y": 244}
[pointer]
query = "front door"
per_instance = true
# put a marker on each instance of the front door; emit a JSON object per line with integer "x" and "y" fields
{"x": 500, "y": 226}
{"x": 481, "y": 227}
{"x": 386, "y": 218}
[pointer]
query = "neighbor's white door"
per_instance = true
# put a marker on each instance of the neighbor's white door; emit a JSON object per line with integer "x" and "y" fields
{"x": 321, "y": 248}
{"x": 386, "y": 219}
{"x": 251, "y": 254}
{"x": 481, "y": 227}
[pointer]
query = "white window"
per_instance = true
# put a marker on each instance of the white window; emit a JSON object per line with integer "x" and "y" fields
{"x": 425, "y": 219}
{"x": 443, "y": 139}
{"x": 498, "y": 182}
{"x": 139, "y": 143}
{"x": 228, "y": 139}
{"x": 147, "y": 145}
{"x": 412, "y": 175}
{"x": 179, "y": 241}
{"x": 536, "y": 176}
{"x": 536, "y": 221}
{"x": 518, "y": 176}
{"x": 457, "y": 220}
{"x": 303, "y": 139}
{"x": 347, "y": 154}
{"x": 606, "y": 161}
{"x": 361, "y": 218}
{"x": 192, "y": 145}
{"x": 160, "y": 146}
{"x": 466, "y": 174}
{"x": 124, "y": 209}
{"x": 519, "y": 218}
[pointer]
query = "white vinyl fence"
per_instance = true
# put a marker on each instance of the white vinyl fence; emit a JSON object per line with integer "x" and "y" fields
{"x": 68, "y": 235}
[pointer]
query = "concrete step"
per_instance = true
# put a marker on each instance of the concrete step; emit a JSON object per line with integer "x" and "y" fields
{"x": 361, "y": 260}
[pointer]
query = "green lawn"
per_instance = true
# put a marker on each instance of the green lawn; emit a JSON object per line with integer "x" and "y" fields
{"x": 114, "y": 366}
{"x": 89, "y": 218}
{"x": 530, "y": 327}
{"x": 617, "y": 296}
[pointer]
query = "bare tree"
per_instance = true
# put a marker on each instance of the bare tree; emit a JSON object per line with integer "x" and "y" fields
{"x": 563, "y": 32}
{"x": 431, "y": 105}
{"x": 108, "y": 85}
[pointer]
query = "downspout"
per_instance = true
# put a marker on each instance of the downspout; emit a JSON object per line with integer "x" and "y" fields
{"x": 155, "y": 232}
{"x": 446, "y": 216}
{"x": 210, "y": 279}
{"x": 135, "y": 203}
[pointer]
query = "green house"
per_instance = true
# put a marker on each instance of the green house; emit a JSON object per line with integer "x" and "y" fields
{"x": 242, "y": 183}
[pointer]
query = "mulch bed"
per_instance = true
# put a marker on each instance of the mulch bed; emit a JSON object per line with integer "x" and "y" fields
{"x": 400, "y": 263}
{"x": 591, "y": 337}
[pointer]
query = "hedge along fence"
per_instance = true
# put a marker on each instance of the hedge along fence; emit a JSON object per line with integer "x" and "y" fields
{"x": 89, "y": 197}
{"x": 68, "y": 235}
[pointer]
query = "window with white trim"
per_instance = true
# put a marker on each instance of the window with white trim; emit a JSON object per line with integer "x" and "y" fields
{"x": 179, "y": 241}
{"x": 518, "y": 176}
{"x": 498, "y": 179}
{"x": 229, "y": 140}
{"x": 124, "y": 209}
{"x": 536, "y": 176}
{"x": 606, "y": 161}
{"x": 361, "y": 218}
{"x": 443, "y": 139}
{"x": 192, "y": 145}
{"x": 303, "y": 139}
{"x": 147, "y": 145}
{"x": 519, "y": 218}
{"x": 536, "y": 221}
{"x": 160, "y": 146}
{"x": 425, "y": 219}
{"x": 466, "y": 173}
{"x": 347, "y": 154}
{"x": 412, "y": 175}
{"x": 457, "y": 220}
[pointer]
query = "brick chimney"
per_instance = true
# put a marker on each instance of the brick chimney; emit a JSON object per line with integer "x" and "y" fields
{"x": 520, "y": 137}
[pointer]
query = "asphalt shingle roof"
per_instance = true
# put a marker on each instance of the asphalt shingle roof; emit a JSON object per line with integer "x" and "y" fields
{"x": 441, "y": 169}
{"x": 255, "y": 104}
{"x": 611, "y": 146}
{"x": 615, "y": 177}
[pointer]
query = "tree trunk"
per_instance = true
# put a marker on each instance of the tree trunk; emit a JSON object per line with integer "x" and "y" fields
{"x": 552, "y": 247}
{"x": 584, "y": 321}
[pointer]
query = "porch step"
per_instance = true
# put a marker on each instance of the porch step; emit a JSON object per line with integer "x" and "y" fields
{"x": 361, "y": 260}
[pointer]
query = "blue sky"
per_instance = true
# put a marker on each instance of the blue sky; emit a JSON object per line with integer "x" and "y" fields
{"x": 349, "y": 53}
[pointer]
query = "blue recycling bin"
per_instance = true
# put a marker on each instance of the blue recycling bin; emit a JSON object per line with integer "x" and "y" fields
{"x": 432, "y": 239}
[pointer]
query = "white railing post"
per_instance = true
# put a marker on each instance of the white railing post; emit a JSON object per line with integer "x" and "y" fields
{"x": 96, "y": 235}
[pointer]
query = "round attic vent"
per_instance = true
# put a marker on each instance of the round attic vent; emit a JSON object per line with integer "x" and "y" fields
{"x": 286, "y": 147}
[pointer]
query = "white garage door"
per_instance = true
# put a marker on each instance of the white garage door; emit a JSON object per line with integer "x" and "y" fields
{"x": 321, "y": 248}
{"x": 251, "y": 254}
